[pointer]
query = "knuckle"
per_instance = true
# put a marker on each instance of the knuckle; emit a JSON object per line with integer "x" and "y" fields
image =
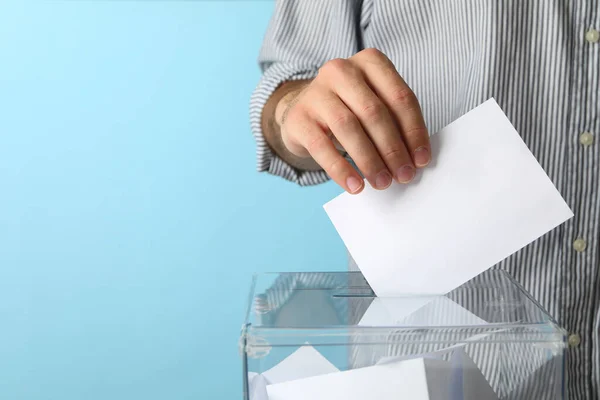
{"x": 343, "y": 120}
{"x": 336, "y": 166}
{"x": 416, "y": 131}
{"x": 375, "y": 56}
{"x": 404, "y": 97}
{"x": 388, "y": 69}
{"x": 374, "y": 112}
{"x": 397, "y": 152}
{"x": 336, "y": 66}
{"x": 370, "y": 166}
{"x": 373, "y": 53}
{"x": 317, "y": 143}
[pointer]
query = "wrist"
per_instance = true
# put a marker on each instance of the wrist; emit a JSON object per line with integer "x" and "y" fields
{"x": 290, "y": 92}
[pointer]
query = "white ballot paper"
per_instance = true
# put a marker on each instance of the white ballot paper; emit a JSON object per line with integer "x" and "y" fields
{"x": 483, "y": 198}
{"x": 303, "y": 363}
{"x": 415, "y": 379}
{"x": 423, "y": 311}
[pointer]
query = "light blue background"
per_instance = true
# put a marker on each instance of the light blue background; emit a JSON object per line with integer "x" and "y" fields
{"x": 131, "y": 215}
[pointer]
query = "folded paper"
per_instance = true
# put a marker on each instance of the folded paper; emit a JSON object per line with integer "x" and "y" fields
{"x": 427, "y": 378}
{"x": 303, "y": 363}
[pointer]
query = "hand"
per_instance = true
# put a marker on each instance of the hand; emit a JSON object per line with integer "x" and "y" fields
{"x": 362, "y": 105}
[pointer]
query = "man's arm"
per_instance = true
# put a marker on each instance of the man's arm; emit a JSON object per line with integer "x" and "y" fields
{"x": 271, "y": 124}
{"x": 319, "y": 92}
{"x": 360, "y": 104}
{"x": 301, "y": 37}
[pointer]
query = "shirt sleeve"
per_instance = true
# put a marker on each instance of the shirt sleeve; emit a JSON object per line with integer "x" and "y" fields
{"x": 302, "y": 36}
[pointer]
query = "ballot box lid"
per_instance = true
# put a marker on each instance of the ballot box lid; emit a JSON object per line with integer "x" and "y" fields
{"x": 331, "y": 308}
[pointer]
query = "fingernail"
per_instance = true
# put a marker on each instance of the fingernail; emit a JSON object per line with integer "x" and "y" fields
{"x": 354, "y": 184}
{"x": 422, "y": 156}
{"x": 405, "y": 174}
{"x": 383, "y": 180}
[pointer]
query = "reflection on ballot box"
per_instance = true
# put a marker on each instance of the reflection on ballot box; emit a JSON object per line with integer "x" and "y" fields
{"x": 327, "y": 336}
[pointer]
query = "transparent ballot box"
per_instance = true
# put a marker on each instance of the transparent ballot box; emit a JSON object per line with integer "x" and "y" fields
{"x": 326, "y": 336}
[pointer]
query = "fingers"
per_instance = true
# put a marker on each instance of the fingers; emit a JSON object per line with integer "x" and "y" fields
{"x": 386, "y": 144}
{"x": 322, "y": 149}
{"x": 381, "y": 75}
{"x": 347, "y": 129}
{"x": 369, "y": 111}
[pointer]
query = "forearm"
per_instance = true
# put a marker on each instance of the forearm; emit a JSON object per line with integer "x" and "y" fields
{"x": 270, "y": 122}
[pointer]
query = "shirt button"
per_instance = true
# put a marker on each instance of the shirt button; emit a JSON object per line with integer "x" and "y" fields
{"x": 574, "y": 340}
{"x": 579, "y": 245}
{"x": 592, "y": 36}
{"x": 586, "y": 139}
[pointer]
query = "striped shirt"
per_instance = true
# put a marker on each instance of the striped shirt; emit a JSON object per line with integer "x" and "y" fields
{"x": 540, "y": 60}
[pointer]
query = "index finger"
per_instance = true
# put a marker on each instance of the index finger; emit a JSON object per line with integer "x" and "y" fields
{"x": 381, "y": 75}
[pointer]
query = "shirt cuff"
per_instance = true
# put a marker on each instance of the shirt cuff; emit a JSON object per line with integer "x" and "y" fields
{"x": 266, "y": 159}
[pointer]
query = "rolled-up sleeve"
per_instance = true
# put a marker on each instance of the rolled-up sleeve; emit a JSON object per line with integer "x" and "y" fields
{"x": 302, "y": 36}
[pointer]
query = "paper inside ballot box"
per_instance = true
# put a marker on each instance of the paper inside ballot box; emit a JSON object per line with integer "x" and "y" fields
{"x": 302, "y": 363}
{"x": 425, "y": 378}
